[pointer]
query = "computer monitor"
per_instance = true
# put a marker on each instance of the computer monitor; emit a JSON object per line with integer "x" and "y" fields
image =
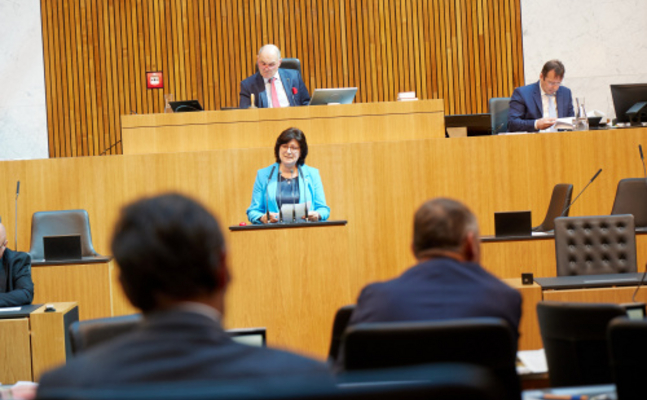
{"x": 476, "y": 124}
{"x": 630, "y": 102}
{"x": 185, "y": 106}
{"x": 336, "y": 96}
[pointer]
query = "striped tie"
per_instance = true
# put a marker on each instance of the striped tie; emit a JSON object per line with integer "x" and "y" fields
{"x": 552, "y": 111}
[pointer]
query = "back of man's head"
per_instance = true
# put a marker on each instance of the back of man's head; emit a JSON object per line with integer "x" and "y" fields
{"x": 442, "y": 225}
{"x": 167, "y": 246}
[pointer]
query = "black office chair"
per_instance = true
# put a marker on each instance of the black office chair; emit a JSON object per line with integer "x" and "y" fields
{"x": 559, "y": 200}
{"x": 631, "y": 198}
{"x": 65, "y": 222}
{"x": 89, "y": 333}
{"x": 488, "y": 342}
{"x": 595, "y": 245}
{"x": 575, "y": 341}
{"x": 342, "y": 316}
{"x": 498, "y": 107}
{"x": 289, "y": 63}
{"x": 628, "y": 352}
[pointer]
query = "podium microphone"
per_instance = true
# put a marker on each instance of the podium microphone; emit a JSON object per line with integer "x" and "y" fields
{"x": 15, "y": 236}
{"x": 578, "y": 196}
{"x": 267, "y": 195}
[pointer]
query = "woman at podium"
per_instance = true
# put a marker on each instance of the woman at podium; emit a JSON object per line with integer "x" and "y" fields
{"x": 288, "y": 191}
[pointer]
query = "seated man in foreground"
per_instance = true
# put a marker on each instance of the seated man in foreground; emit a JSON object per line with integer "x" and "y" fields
{"x": 173, "y": 267}
{"x": 537, "y": 106}
{"x": 448, "y": 282}
{"x": 16, "y": 286}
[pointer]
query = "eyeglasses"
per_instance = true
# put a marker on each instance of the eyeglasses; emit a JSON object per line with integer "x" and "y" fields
{"x": 285, "y": 148}
{"x": 553, "y": 83}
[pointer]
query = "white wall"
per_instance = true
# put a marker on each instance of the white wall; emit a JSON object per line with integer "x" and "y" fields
{"x": 599, "y": 41}
{"x": 23, "y": 114}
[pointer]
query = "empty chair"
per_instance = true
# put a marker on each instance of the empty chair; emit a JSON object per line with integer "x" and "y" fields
{"x": 631, "y": 198}
{"x": 488, "y": 342}
{"x": 56, "y": 223}
{"x": 595, "y": 245}
{"x": 498, "y": 107}
{"x": 89, "y": 333}
{"x": 342, "y": 316}
{"x": 575, "y": 341}
{"x": 628, "y": 352}
{"x": 289, "y": 63}
{"x": 559, "y": 201}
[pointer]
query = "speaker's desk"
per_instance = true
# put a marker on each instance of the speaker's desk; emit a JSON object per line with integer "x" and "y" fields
{"x": 94, "y": 286}
{"x": 237, "y": 129}
{"x": 32, "y": 344}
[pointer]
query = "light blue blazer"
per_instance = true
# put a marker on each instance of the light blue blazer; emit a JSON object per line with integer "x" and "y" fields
{"x": 311, "y": 190}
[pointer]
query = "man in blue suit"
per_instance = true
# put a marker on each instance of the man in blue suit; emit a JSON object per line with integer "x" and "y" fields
{"x": 537, "y": 106}
{"x": 173, "y": 267}
{"x": 273, "y": 86}
{"x": 447, "y": 283}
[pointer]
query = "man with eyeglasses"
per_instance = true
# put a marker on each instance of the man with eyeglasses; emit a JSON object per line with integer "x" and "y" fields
{"x": 272, "y": 86}
{"x": 16, "y": 286}
{"x": 537, "y": 106}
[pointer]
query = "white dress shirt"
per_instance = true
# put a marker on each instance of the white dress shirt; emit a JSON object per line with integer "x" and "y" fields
{"x": 280, "y": 91}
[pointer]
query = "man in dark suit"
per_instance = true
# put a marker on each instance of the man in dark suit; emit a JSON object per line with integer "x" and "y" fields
{"x": 16, "y": 286}
{"x": 537, "y": 106}
{"x": 173, "y": 266}
{"x": 273, "y": 86}
{"x": 447, "y": 282}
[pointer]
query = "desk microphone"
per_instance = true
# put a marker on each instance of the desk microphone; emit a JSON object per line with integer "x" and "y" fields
{"x": 578, "y": 196}
{"x": 15, "y": 236}
{"x": 267, "y": 195}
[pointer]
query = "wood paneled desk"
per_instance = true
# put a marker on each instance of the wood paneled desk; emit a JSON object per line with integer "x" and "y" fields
{"x": 532, "y": 294}
{"x": 235, "y": 129}
{"x": 33, "y": 344}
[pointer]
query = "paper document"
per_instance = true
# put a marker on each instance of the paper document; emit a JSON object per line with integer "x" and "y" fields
{"x": 534, "y": 361}
{"x": 9, "y": 309}
{"x": 299, "y": 211}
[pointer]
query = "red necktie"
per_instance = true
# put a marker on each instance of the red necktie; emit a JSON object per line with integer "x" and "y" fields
{"x": 275, "y": 96}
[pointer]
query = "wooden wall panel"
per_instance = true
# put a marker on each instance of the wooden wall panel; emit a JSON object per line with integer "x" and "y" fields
{"x": 98, "y": 51}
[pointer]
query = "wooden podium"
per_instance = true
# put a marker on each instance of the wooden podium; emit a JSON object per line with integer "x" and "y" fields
{"x": 34, "y": 343}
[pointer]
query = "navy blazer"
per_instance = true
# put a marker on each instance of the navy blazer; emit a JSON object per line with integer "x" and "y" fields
{"x": 439, "y": 289}
{"x": 526, "y": 107}
{"x": 291, "y": 79}
{"x": 19, "y": 285}
{"x": 178, "y": 345}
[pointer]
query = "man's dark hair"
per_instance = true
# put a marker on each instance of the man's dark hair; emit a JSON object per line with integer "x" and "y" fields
{"x": 285, "y": 137}
{"x": 553, "y": 65}
{"x": 441, "y": 224}
{"x": 167, "y": 245}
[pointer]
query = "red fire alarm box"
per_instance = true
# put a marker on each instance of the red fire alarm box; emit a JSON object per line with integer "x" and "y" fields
{"x": 154, "y": 80}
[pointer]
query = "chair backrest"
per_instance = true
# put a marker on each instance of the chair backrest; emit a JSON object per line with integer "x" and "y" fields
{"x": 445, "y": 381}
{"x": 631, "y": 198}
{"x": 575, "y": 341}
{"x": 559, "y": 200}
{"x": 289, "y": 63}
{"x": 342, "y": 316}
{"x": 89, "y": 333}
{"x": 595, "y": 245}
{"x": 488, "y": 342}
{"x": 65, "y": 222}
{"x": 498, "y": 108}
{"x": 628, "y": 352}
